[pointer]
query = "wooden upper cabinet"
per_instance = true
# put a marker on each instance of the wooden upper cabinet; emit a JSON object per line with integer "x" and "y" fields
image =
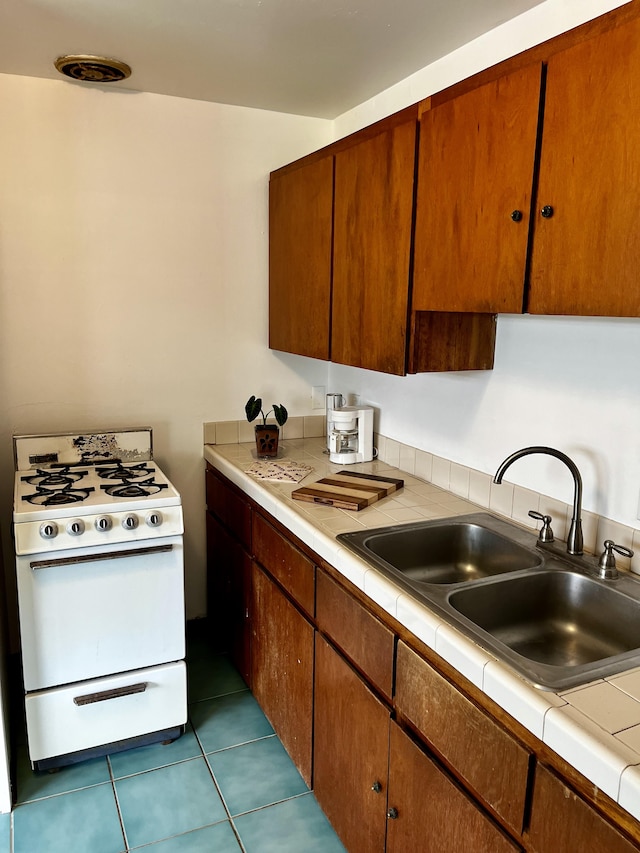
{"x": 586, "y": 255}
{"x": 300, "y": 234}
{"x": 374, "y": 182}
{"x": 475, "y": 182}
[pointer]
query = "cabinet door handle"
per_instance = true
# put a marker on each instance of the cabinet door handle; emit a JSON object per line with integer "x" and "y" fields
{"x": 516, "y": 215}
{"x": 115, "y": 693}
{"x": 392, "y": 813}
{"x": 546, "y": 212}
{"x": 376, "y": 787}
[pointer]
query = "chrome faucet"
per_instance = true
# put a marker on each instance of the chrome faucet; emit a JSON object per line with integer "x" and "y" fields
{"x": 574, "y": 539}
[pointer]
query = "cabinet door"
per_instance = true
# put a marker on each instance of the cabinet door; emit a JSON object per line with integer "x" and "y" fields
{"x": 562, "y": 822}
{"x": 475, "y": 179}
{"x": 372, "y": 242}
{"x": 282, "y": 668}
{"x": 228, "y": 595}
{"x": 430, "y": 813}
{"x": 586, "y": 255}
{"x": 300, "y": 233}
{"x": 351, "y": 751}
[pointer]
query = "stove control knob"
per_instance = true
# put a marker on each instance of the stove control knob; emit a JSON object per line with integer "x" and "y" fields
{"x": 154, "y": 519}
{"x": 130, "y": 522}
{"x": 49, "y": 530}
{"x": 103, "y": 523}
{"x": 75, "y": 527}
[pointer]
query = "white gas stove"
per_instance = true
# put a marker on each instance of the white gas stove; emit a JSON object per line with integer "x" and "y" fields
{"x": 98, "y": 531}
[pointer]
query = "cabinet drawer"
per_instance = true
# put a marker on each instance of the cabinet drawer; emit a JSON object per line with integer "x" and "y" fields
{"x": 491, "y": 762}
{"x": 357, "y": 632}
{"x": 64, "y": 719}
{"x": 289, "y": 566}
{"x": 229, "y": 506}
{"x": 562, "y": 822}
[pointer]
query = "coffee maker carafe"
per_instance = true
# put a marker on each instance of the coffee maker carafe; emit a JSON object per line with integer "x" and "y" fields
{"x": 350, "y": 434}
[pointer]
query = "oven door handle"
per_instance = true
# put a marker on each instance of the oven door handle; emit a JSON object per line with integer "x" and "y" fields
{"x": 113, "y": 693}
{"x": 103, "y": 555}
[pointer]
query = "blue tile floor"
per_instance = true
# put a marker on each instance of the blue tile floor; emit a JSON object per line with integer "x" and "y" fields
{"x": 227, "y": 785}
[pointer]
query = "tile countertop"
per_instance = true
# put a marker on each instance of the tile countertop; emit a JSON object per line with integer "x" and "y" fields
{"x": 595, "y": 727}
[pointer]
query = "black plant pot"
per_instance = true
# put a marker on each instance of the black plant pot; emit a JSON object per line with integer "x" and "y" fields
{"x": 267, "y": 436}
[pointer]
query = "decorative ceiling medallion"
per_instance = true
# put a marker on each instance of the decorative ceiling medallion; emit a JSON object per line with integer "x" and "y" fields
{"x": 92, "y": 69}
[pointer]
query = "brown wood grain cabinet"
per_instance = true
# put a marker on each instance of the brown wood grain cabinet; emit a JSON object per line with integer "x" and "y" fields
{"x": 364, "y": 639}
{"x": 428, "y": 812}
{"x": 361, "y": 275}
{"x": 300, "y": 246}
{"x": 475, "y": 182}
{"x": 282, "y": 668}
{"x": 228, "y": 524}
{"x": 402, "y": 755}
{"x": 293, "y": 570}
{"x": 373, "y": 217}
{"x": 562, "y": 822}
{"x": 586, "y": 250}
{"x": 351, "y": 752}
{"x": 492, "y": 763}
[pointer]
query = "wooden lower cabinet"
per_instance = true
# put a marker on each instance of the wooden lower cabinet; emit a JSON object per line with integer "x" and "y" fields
{"x": 377, "y": 787}
{"x": 282, "y": 668}
{"x": 493, "y": 765}
{"x": 351, "y": 752}
{"x": 401, "y": 759}
{"x": 562, "y": 822}
{"x": 229, "y": 595}
{"x": 428, "y": 812}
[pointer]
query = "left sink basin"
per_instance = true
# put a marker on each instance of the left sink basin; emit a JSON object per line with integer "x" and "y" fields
{"x": 448, "y": 551}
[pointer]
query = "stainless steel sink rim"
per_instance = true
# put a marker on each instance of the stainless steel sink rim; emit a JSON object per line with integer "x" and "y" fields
{"x": 443, "y": 598}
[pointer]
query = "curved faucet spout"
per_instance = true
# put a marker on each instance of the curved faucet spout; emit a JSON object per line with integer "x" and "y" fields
{"x": 574, "y": 539}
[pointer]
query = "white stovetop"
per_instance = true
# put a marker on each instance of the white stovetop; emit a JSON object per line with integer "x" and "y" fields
{"x": 595, "y": 727}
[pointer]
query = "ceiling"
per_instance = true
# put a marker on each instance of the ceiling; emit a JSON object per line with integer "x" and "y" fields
{"x": 310, "y": 57}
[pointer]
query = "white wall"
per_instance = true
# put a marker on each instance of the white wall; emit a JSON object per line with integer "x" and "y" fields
{"x": 566, "y": 382}
{"x": 133, "y": 273}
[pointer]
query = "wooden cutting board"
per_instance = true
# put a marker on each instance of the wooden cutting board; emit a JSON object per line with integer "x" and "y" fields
{"x": 348, "y": 490}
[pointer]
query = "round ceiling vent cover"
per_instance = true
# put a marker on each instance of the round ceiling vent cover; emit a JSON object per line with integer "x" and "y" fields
{"x": 93, "y": 69}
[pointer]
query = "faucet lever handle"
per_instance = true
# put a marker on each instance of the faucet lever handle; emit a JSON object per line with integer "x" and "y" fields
{"x": 607, "y": 561}
{"x": 546, "y": 533}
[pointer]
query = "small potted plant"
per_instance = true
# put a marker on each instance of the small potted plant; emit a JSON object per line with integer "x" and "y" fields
{"x": 266, "y": 434}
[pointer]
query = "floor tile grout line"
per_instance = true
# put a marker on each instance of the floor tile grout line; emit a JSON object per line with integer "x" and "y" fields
{"x": 220, "y": 794}
{"x": 193, "y": 701}
{"x": 117, "y": 801}
{"x": 242, "y": 743}
{"x": 271, "y": 805}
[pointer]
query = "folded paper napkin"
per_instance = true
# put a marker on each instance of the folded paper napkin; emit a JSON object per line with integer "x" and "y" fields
{"x": 284, "y": 470}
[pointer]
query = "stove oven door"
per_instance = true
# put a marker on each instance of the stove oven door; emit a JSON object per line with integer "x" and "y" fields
{"x": 90, "y": 612}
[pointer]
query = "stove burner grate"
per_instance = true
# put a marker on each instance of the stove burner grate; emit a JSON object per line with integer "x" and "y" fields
{"x": 144, "y": 489}
{"x": 54, "y": 478}
{"x": 59, "y": 497}
{"x": 123, "y": 472}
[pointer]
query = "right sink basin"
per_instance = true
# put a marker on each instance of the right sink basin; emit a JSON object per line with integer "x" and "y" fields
{"x": 558, "y": 618}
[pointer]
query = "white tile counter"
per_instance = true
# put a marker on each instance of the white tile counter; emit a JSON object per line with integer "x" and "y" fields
{"x": 595, "y": 727}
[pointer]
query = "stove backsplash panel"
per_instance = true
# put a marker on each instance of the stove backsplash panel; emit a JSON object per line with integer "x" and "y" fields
{"x": 33, "y": 451}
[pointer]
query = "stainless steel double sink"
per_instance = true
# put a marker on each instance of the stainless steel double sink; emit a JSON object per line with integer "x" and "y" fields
{"x": 553, "y": 621}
